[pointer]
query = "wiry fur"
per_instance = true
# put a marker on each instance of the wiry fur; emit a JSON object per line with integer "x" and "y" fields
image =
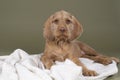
{"x": 60, "y": 31}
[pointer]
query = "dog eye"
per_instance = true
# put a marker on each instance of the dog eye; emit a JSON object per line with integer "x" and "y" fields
{"x": 68, "y": 21}
{"x": 56, "y": 21}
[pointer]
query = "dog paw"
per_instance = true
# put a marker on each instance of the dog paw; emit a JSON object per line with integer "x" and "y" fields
{"x": 87, "y": 72}
{"x": 115, "y": 59}
{"x": 104, "y": 60}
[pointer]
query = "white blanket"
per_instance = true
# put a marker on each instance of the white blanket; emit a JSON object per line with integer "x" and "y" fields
{"x": 22, "y": 66}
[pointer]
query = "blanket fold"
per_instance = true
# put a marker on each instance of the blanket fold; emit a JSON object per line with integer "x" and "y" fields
{"x": 22, "y": 66}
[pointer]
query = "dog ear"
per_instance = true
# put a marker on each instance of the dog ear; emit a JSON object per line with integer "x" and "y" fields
{"x": 77, "y": 31}
{"x": 47, "y": 33}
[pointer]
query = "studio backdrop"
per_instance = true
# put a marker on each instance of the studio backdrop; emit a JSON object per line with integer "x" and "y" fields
{"x": 22, "y": 21}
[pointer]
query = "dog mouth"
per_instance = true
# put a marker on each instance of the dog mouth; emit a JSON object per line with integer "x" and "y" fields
{"x": 62, "y": 38}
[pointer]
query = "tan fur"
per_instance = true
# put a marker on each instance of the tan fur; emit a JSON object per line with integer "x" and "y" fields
{"x": 60, "y": 31}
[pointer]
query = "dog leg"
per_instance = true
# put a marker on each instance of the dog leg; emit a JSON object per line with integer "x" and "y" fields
{"x": 92, "y": 54}
{"x": 86, "y": 72}
{"x": 47, "y": 61}
{"x": 100, "y": 59}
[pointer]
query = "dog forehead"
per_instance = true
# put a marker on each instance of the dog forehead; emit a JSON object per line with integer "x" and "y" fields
{"x": 61, "y": 14}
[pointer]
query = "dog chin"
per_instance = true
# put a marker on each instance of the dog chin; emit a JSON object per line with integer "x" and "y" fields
{"x": 62, "y": 38}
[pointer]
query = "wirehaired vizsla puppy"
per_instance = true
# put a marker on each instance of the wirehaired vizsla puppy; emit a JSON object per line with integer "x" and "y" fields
{"x": 60, "y": 32}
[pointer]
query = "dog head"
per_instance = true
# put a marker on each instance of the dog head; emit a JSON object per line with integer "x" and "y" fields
{"x": 62, "y": 26}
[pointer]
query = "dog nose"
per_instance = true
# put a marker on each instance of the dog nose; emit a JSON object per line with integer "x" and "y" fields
{"x": 62, "y": 29}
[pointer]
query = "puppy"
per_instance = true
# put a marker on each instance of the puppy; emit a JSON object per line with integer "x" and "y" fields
{"x": 60, "y": 32}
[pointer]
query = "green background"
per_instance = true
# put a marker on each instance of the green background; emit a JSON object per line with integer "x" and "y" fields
{"x": 21, "y": 24}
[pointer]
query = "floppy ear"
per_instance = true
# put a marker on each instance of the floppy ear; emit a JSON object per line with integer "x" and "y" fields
{"x": 77, "y": 31}
{"x": 48, "y": 35}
